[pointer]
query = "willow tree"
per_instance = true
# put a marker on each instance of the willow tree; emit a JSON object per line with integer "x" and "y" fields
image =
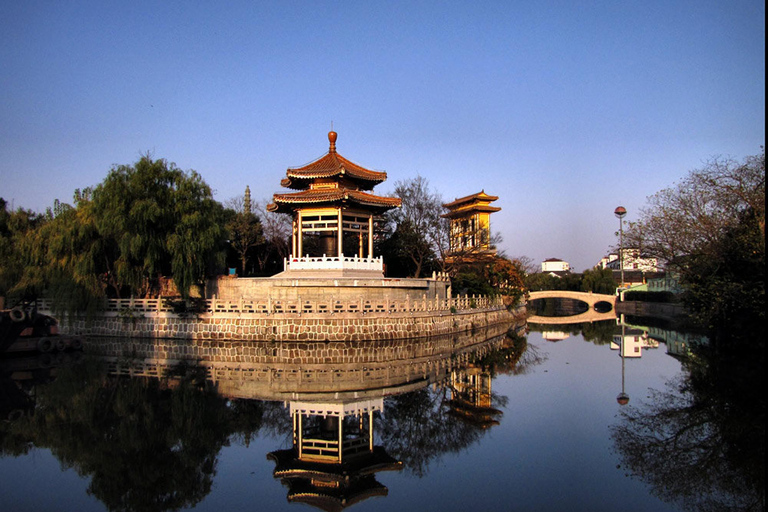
{"x": 15, "y": 226}
{"x": 158, "y": 221}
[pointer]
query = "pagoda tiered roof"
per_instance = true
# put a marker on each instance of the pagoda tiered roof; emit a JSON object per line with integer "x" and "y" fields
{"x": 332, "y": 165}
{"x": 332, "y": 180}
{"x": 285, "y": 203}
{"x": 479, "y": 202}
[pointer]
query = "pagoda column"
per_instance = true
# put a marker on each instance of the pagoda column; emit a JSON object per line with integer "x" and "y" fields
{"x": 340, "y": 239}
{"x": 370, "y": 430}
{"x": 370, "y": 236}
{"x": 299, "y": 234}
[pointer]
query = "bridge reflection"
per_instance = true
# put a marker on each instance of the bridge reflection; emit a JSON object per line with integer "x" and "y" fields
{"x": 592, "y": 300}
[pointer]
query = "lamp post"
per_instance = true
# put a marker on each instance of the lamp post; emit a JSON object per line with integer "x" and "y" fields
{"x": 620, "y": 212}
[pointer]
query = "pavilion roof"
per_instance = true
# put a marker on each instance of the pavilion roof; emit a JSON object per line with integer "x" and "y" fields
{"x": 332, "y": 165}
{"x": 474, "y": 208}
{"x": 286, "y": 203}
{"x": 479, "y": 197}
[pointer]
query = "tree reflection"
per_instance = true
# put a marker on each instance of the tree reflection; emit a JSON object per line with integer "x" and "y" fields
{"x": 147, "y": 444}
{"x": 701, "y": 443}
{"x": 151, "y": 444}
{"x": 418, "y": 428}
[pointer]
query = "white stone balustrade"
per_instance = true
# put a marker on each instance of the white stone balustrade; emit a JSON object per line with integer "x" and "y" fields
{"x": 271, "y": 306}
{"x": 333, "y": 263}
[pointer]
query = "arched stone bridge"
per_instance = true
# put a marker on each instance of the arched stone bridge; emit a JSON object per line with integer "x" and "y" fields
{"x": 588, "y": 297}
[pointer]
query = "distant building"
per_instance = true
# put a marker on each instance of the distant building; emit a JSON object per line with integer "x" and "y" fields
{"x": 668, "y": 282}
{"x": 633, "y": 260}
{"x": 555, "y": 267}
{"x": 555, "y": 336}
{"x": 470, "y": 226}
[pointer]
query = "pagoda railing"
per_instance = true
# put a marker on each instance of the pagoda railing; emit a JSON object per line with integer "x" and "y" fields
{"x": 269, "y": 306}
{"x": 333, "y": 263}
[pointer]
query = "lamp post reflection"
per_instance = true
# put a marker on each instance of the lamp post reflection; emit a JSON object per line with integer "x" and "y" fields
{"x": 623, "y": 397}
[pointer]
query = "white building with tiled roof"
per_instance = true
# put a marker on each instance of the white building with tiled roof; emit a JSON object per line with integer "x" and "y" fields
{"x": 555, "y": 265}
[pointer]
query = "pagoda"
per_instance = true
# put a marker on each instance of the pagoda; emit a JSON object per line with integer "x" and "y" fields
{"x": 470, "y": 226}
{"x": 333, "y": 210}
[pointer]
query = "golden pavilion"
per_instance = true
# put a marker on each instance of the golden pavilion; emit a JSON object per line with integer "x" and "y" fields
{"x": 334, "y": 210}
{"x": 470, "y": 225}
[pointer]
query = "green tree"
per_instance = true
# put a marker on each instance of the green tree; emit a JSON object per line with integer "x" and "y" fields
{"x": 493, "y": 276}
{"x": 546, "y": 281}
{"x": 406, "y": 252}
{"x": 598, "y": 280}
{"x": 158, "y": 220}
{"x": 64, "y": 257}
{"x": 725, "y": 285}
{"x": 15, "y": 227}
{"x": 142, "y": 222}
{"x": 245, "y": 231}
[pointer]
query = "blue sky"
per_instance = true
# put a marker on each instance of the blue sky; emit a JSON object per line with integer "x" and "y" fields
{"x": 564, "y": 109}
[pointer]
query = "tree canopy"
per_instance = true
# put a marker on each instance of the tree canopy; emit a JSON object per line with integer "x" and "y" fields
{"x": 244, "y": 229}
{"x": 710, "y": 229}
{"x": 158, "y": 220}
{"x": 419, "y": 234}
{"x": 690, "y": 217}
{"x": 143, "y": 222}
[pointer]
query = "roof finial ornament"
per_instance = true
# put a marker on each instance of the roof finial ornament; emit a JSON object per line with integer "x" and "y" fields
{"x": 332, "y": 139}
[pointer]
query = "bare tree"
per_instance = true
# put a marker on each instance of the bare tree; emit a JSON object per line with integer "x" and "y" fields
{"x": 424, "y": 233}
{"x": 277, "y": 229}
{"x": 245, "y": 230}
{"x": 694, "y": 214}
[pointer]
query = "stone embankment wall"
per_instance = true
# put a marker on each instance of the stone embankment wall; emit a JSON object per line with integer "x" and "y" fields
{"x": 318, "y": 289}
{"x": 651, "y": 309}
{"x": 280, "y": 370}
{"x": 287, "y": 326}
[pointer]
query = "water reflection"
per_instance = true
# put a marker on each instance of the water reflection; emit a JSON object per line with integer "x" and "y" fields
{"x": 146, "y": 444}
{"x": 700, "y": 443}
{"x": 147, "y": 423}
{"x": 147, "y": 420}
{"x": 333, "y": 461}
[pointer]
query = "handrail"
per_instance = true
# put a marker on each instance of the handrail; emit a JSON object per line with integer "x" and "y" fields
{"x": 271, "y": 306}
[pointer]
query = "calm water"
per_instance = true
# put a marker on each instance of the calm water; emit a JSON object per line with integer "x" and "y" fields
{"x": 491, "y": 423}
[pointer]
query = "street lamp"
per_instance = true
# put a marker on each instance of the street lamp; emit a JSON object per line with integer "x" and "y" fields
{"x": 620, "y": 212}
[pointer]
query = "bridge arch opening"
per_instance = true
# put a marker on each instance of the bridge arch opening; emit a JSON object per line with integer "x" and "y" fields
{"x": 557, "y": 307}
{"x": 603, "y": 306}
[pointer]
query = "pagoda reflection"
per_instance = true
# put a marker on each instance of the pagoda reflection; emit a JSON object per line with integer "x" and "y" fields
{"x": 471, "y": 396}
{"x": 333, "y": 461}
{"x": 335, "y": 394}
